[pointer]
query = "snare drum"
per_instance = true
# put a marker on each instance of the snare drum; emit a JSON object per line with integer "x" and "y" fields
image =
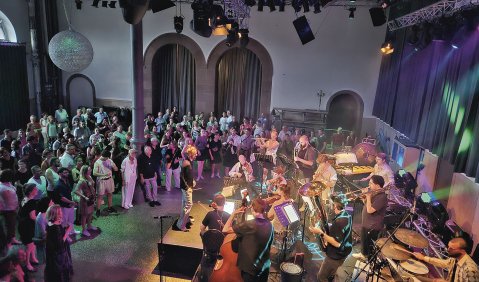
{"x": 412, "y": 268}
{"x": 291, "y": 272}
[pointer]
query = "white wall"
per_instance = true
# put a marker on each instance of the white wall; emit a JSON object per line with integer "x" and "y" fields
{"x": 344, "y": 56}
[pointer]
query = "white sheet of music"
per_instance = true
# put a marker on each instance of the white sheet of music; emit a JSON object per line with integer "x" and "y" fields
{"x": 291, "y": 213}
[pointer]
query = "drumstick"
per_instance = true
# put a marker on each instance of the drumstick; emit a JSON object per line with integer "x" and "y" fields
{"x": 403, "y": 250}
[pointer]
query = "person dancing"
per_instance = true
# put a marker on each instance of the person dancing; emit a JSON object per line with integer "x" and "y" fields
{"x": 186, "y": 184}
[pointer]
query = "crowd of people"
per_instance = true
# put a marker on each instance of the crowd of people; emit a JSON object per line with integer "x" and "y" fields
{"x": 60, "y": 168}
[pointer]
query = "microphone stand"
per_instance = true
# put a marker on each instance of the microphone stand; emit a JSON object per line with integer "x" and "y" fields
{"x": 161, "y": 252}
{"x": 372, "y": 260}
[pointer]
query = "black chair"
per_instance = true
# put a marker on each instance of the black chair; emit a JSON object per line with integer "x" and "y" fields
{"x": 212, "y": 241}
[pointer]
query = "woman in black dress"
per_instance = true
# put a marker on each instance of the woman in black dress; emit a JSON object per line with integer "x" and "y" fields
{"x": 214, "y": 147}
{"x": 58, "y": 266}
{"x": 26, "y": 223}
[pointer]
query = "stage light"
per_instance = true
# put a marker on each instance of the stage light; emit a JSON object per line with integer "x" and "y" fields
{"x": 271, "y": 6}
{"x": 178, "y": 23}
{"x": 112, "y": 4}
{"x": 281, "y": 5}
{"x": 95, "y": 3}
{"x": 352, "y": 1}
{"x": 305, "y": 6}
{"x": 454, "y": 46}
{"x": 296, "y": 5}
{"x": 387, "y": 48}
{"x": 232, "y": 36}
{"x": 160, "y": 5}
{"x": 413, "y": 38}
{"x": 78, "y": 4}
{"x": 250, "y": 3}
{"x": 260, "y": 5}
{"x": 351, "y": 12}
{"x": 104, "y": 4}
{"x": 244, "y": 37}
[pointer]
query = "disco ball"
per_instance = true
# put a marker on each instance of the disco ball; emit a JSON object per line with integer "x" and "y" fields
{"x": 70, "y": 51}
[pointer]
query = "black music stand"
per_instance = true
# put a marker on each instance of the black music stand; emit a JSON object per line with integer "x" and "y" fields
{"x": 287, "y": 214}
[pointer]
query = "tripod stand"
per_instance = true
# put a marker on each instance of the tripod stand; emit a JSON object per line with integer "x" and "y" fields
{"x": 372, "y": 262}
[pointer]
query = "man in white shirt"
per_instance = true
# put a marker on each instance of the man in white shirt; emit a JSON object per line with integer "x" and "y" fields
{"x": 61, "y": 117}
{"x": 39, "y": 180}
{"x": 68, "y": 158}
{"x": 100, "y": 116}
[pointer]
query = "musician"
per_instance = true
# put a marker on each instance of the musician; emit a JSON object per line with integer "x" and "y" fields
{"x": 271, "y": 146}
{"x": 216, "y": 218}
{"x": 242, "y": 168}
{"x": 460, "y": 266}
{"x": 231, "y": 147}
{"x": 375, "y": 203}
{"x": 383, "y": 169}
{"x": 325, "y": 174}
{"x": 186, "y": 184}
{"x": 284, "y": 196}
{"x": 304, "y": 157}
{"x": 247, "y": 143}
{"x": 277, "y": 180}
{"x": 256, "y": 237}
{"x": 338, "y": 241}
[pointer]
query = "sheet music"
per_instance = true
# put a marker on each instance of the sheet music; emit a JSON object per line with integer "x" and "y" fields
{"x": 291, "y": 213}
{"x": 229, "y": 207}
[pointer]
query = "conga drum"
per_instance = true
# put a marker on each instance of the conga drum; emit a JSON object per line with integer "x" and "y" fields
{"x": 291, "y": 272}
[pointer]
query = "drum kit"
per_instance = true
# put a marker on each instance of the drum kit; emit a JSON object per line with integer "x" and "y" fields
{"x": 397, "y": 250}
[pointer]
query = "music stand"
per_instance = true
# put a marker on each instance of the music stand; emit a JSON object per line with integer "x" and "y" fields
{"x": 287, "y": 214}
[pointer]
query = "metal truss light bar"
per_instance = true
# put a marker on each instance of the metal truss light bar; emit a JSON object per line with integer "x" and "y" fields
{"x": 431, "y": 12}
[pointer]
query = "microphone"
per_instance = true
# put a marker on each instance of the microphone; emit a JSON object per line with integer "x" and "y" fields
{"x": 163, "y": 216}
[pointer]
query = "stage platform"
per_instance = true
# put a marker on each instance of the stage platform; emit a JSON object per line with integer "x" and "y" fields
{"x": 181, "y": 252}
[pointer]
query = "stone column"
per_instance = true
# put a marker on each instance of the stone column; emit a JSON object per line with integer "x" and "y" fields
{"x": 138, "y": 107}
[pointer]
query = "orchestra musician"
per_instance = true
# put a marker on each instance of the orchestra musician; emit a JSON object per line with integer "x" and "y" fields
{"x": 375, "y": 203}
{"x": 304, "y": 156}
{"x": 325, "y": 174}
{"x": 242, "y": 168}
{"x": 383, "y": 169}
{"x": 247, "y": 144}
{"x": 270, "y": 146}
{"x": 338, "y": 241}
{"x": 284, "y": 193}
{"x": 256, "y": 237}
{"x": 277, "y": 180}
{"x": 460, "y": 266}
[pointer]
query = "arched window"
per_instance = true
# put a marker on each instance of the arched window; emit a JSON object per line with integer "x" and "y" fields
{"x": 7, "y": 32}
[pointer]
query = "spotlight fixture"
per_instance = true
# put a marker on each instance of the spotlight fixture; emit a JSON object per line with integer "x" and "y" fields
{"x": 112, "y": 4}
{"x": 78, "y": 4}
{"x": 352, "y": 1}
{"x": 271, "y": 6}
{"x": 387, "y": 48}
{"x": 296, "y": 5}
{"x": 281, "y": 5}
{"x": 104, "y": 4}
{"x": 178, "y": 23}
{"x": 454, "y": 46}
{"x": 232, "y": 36}
{"x": 351, "y": 12}
{"x": 413, "y": 38}
{"x": 243, "y": 36}
{"x": 95, "y": 3}
{"x": 260, "y": 5}
{"x": 305, "y": 6}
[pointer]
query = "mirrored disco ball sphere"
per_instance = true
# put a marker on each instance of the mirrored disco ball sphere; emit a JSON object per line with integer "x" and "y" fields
{"x": 70, "y": 51}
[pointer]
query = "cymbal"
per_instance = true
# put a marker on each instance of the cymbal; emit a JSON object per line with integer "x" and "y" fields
{"x": 411, "y": 238}
{"x": 313, "y": 188}
{"x": 392, "y": 250}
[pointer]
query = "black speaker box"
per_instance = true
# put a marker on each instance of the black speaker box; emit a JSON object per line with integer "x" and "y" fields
{"x": 377, "y": 16}
{"x": 179, "y": 261}
{"x": 303, "y": 29}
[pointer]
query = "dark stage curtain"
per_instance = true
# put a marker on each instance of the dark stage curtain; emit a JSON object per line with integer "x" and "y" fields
{"x": 174, "y": 79}
{"x": 432, "y": 96}
{"x": 238, "y": 83}
{"x": 14, "y": 105}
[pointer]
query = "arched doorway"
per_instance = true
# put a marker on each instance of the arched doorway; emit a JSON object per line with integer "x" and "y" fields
{"x": 345, "y": 109}
{"x": 238, "y": 83}
{"x": 266, "y": 71}
{"x": 80, "y": 92}
{"x": 200, "y": 69}
{"x": 7, "y": 31}
{"x": 174, "y": 79}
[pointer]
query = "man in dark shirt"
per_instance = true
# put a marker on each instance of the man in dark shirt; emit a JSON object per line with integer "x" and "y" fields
{"x": 63, "y": 196}
{"x": 256, "y": 236}
{"x": 375, "y": 204}
{"x": 216, "y": 218}
{"x": 6, "y": 142}
{"x": 304, "y": 157}
{"x": 338, "y": 241}
{"x": 147, "y": 169}
{"x": 172, "y": 158}
{"x": 186, "y": 184}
